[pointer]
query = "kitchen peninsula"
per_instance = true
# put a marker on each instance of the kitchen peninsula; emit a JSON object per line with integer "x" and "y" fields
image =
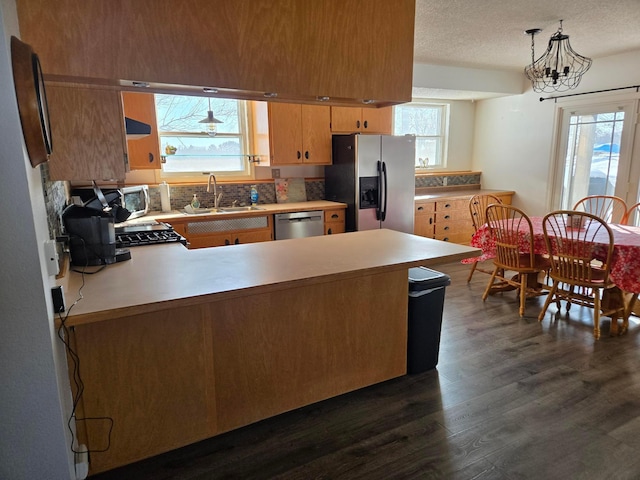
{"x": 179, "y": 345}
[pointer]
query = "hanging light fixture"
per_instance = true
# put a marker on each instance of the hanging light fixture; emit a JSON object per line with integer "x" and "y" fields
{"x": 560, "y": 68}
{"x": 211, "y": 121}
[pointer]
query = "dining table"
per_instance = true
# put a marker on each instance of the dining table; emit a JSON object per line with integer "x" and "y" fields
{"x": 625, "y": 262}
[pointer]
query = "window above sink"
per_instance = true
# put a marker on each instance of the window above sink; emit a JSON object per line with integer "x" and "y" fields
{"x": 188, "y": 149}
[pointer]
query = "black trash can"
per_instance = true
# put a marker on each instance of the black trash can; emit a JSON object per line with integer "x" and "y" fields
{"x": 426, "y": 303}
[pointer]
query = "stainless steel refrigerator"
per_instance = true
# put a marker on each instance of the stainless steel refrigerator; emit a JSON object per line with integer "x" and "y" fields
{"x": 375, "y": 176}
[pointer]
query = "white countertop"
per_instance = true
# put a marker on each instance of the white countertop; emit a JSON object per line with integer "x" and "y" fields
{"x": 157, "y": 274}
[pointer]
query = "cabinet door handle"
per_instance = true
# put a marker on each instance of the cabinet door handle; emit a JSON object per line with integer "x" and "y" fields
{"x": 447, "y": 217}
{"x": 236, "y": 242}
{"x": 329, "y": 231}
{"x": 430, "y": 220}
{"x": 420, "y": 208}
{"x": 335, "y": 215}
{"x": 366, "y": 124}
{"x": 298, "y": 154}
{"x": 447, "y": 205}
{"x": 226, "y": 241}
{"x": 358, "y": 123}
{"x": 445, "y": 239}
{"x": 446, "y": 228}
{"x": 150, "y": 157}
{"x": 306, "y": 154}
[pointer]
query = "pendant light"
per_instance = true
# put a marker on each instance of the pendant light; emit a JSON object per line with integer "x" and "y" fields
{"x": 211, "y": 121}
{"x": 560, "y": 68}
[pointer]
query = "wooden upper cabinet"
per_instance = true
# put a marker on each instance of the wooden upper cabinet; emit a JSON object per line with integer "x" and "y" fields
{"x": 300, "y": 49}
{"x": 87, "y": 129}
{"x": 144, "y": 153}
{"x": 363, "y": 120}
{"x": 299, "y": 134}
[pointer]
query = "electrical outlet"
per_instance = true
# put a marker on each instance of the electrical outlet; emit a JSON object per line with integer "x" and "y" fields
{"x": 51, "y": 256}
{"x": 275, "y": 172}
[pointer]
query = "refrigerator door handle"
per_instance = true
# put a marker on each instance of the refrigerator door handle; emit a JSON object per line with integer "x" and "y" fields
{"x": 383, "y": 215}
{"x": 379, "y": 200}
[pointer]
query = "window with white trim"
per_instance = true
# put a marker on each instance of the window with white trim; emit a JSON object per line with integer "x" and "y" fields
{"x": 187, "y": 146}
{"x": 429, "y": 122}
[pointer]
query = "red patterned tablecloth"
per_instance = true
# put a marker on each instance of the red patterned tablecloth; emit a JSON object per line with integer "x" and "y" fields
{"x": 625, "y": 267}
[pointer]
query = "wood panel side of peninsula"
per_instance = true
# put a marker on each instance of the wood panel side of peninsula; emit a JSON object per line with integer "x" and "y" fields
{"x": 296, "y": 322}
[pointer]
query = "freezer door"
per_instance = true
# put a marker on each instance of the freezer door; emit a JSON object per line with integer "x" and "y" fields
{"x": 398, "y": 155}
{"x": 368, "y": 155}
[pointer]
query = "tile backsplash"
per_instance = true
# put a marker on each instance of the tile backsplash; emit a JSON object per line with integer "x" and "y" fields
{"x": 181, "y": 195}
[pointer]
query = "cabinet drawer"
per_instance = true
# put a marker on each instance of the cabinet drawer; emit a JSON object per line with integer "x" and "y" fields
{"x": 425, "y": 208}
{"x": 334, "y": 215}
{"x": 464, "y": 227}
{"x": 452, "y": 237}
{"x": 453, "y": 215}
{"x": 446, "y": 205}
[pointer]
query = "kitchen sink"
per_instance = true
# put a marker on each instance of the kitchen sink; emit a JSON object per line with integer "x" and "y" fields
{"x": 239, "y": 209}
{"x": 199, "y": 211}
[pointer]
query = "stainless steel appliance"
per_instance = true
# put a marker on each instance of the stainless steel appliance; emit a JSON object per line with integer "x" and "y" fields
{"x": 135, "y": 199}
{"x": 375, "y": 176}
{"x": 299, "y": 224}
{"x": 147, "y": 234}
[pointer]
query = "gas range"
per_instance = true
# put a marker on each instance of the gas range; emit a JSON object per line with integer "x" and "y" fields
{"x": 146, "y": 234}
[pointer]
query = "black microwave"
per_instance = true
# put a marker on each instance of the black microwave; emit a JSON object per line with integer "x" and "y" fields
{"x": 135, "y": 198}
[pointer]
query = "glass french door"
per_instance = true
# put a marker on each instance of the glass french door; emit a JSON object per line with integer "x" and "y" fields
{"x": 594, "y": 154}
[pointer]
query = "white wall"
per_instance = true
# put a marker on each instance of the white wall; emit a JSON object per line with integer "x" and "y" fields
{"x": 33, "y": 438}
{"x": 462, "y": 116}
{"x": 514, "y": 135}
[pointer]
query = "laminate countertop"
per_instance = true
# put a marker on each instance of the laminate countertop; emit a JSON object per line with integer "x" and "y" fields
{"x": 170, "y": 275}
{"x": 177, "y": 216}
{"x": 429, "y": 194}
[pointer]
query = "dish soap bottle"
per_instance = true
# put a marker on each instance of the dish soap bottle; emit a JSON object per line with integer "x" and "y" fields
{"x": 195, "y": 203}
{"x": 254, "y": 195}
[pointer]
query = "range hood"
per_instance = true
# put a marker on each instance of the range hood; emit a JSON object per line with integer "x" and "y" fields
{"x": 136, "y": 129}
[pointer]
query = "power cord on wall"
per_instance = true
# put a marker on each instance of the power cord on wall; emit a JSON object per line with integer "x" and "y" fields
{"x": 64, "y": 335}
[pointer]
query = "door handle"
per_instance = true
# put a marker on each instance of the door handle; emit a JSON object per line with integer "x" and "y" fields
{"x": 384, "y": 208}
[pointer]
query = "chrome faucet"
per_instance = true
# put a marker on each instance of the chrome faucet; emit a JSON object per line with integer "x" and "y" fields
{"x": 216, "y": 197}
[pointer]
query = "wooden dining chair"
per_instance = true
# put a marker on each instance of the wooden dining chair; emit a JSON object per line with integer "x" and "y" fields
{"x": 633, "y": 215}
{"x": 609, "y": 208}
{"x": 477, "y": 208}
{"x": 581, "y": 247}
{"x": 513, "y": 234}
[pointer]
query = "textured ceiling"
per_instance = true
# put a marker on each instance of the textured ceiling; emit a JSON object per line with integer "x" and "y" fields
{"x": 489, "y": 33}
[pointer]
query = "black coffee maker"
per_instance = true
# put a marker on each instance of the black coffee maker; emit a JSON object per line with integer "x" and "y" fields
{"x": 91, "y": 230}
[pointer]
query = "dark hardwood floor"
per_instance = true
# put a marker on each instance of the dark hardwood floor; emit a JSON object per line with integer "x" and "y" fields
{"x": 511, "y": 398}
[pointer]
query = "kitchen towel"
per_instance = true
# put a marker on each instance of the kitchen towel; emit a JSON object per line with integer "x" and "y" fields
{"x": 290, "y": 190}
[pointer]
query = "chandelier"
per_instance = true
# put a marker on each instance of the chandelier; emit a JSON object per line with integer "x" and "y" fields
{"x": 560, "y": 68}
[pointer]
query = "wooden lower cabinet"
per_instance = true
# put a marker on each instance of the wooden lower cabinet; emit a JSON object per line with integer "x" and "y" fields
{"x": 218, "y": 233}
{"x": 177, "y": 375}
{"x": 448, "y": 218}
{"x": 424, "y": 219}
{"x": 334, "y": 221}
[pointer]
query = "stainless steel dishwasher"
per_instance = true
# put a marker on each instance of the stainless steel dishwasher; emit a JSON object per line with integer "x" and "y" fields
{"x": 299, "y": 224}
